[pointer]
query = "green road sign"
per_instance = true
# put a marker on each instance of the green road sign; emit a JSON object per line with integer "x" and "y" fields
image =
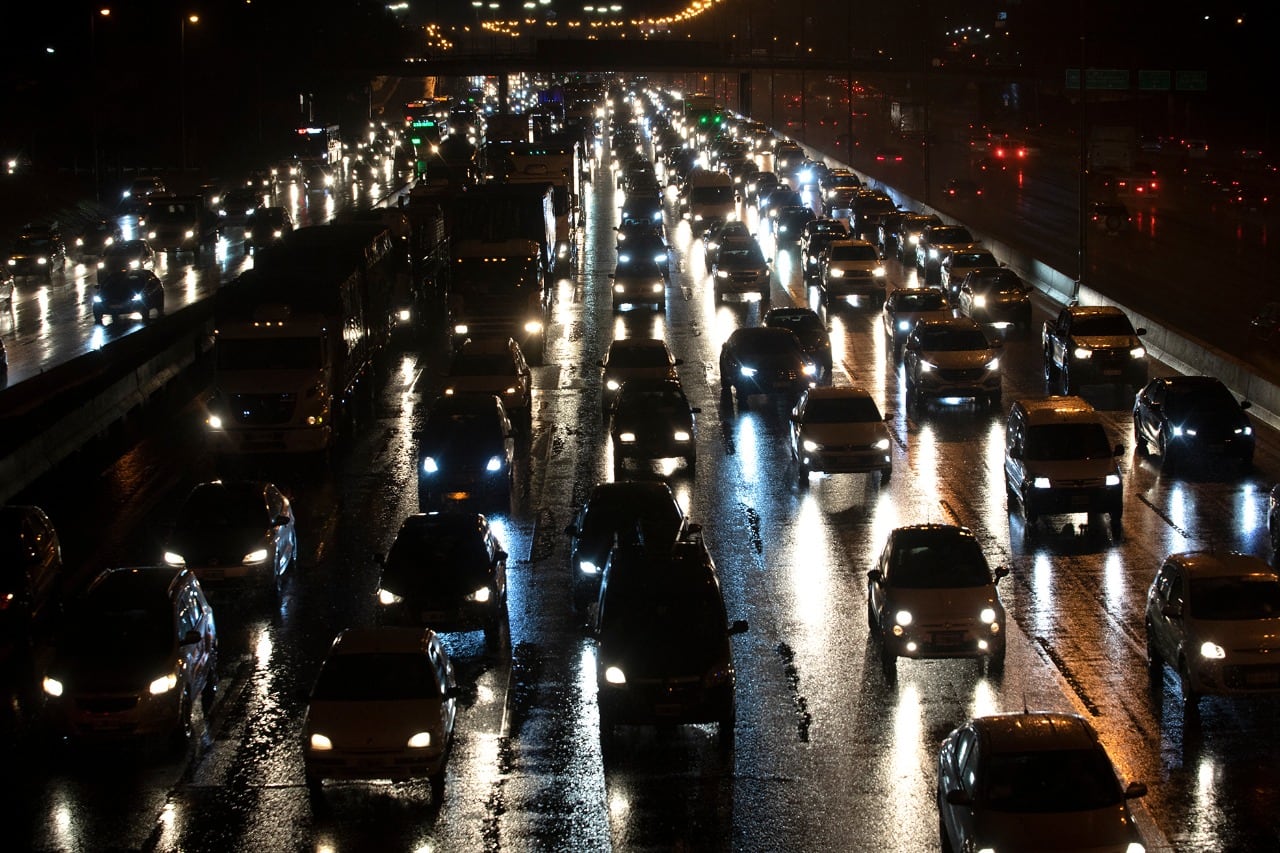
{"x": 1154, "y": 81}
{"x": 1113, "y": 79}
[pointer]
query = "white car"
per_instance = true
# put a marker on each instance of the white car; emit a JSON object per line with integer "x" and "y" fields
{"x": 959, "y": 262}
{"x": 1033, "y": 781}
{"x": 1215, "y": 619}
{"x": 840, "y": 430}
{"x": 383, "y": 707}
{"x": 952, "y": 358}
{"x": 852, "y": 271}
{"x": 493, "y": 366}
{"x": 905, "y": 306}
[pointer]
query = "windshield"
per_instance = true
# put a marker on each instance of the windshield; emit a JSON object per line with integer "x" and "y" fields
{"x": 1001, "y": 282}
{"x": 473, "y": 430}
{"x": 711, "y": 195}
{"x": 950, "y": 234}
{"x": 922, "y": 561}
{"x": 1208, "y": 398}
{"x": 1050, "y": 781}
{"x": 638, "y": 403}
{"x": 224, "y": 508}
{"x": 270, "y": 354}
{"x": 854, "y": 253}
{"x": 121, "y": 632}
{"x": 1050, "y": 442}
{"x": 973, "y": 259}
{"x": 376, "y": 677}
{"x": 630, "y": 356}
{"x": 769, "y": 344}
{"x": 1231, "y": 599}
{"x": 841, "y": 410}
{"x": 507, "y": 275}
{"x": 498, "y": 364}
{"x": 741, "y": 257}
{"x": 921, "y": 300}
{"x": 797, "y": 322}
{"x": 1102, "y": 325}
{"x": 952, "y": 340}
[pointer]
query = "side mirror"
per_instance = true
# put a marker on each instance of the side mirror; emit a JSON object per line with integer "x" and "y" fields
{"x": 875, "y": 576}
{"x": 679, "y": 361}
{"x": 1140, "y": 331}
{"x": 959, "y": 798}
{"x": 280, "y": 521}
{"x": 190, "y": 638}
{"x": 739, "y": 626}
{"x": 454, "y": 692}
{"x": 570, "y": 530}
{"x": 501, "y": 555}
{"x": 1118, "y": 451}
{"x": 1135, "y": 790}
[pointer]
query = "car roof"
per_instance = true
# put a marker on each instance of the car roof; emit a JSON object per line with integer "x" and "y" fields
{"x": 382, "y": 640}
{"x": 628, "y": 490}
{"x": 836, "y": 392}
{"x": 1058, "y": 409}
{"x": 948, "y": 323}
{"x": 753, "y": 333}
{"x": 1209, "y": 564}
{"x": 1033, "y": 731}
{"x": 1095, "y": 311}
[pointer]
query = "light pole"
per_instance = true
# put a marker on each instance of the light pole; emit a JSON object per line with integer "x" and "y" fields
{"x": 182, "y": 84}
{"x": 104, "y": 12}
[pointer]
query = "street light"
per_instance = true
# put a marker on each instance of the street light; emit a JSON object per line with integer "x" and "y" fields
{"x": 182, "y": 83}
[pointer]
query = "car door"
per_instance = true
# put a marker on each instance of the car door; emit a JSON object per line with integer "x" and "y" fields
{"x": 1167, "y": 630}
{"x": 1151, "y": 411}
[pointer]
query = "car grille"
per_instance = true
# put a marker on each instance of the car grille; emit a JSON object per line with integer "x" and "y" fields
{"x": 970, "y": 374}
{"x": 107, "y": 704}
{"x": 1252, "y": 676}
{"x": 847, "y": 448}
{"x": 1090, "y": 483}
{"x": 263, "y": 409}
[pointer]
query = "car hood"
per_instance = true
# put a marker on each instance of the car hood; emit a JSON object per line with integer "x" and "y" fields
{"x": 1096, "y": 830}
{"x": 958, "y": 359}
{"x": 265, "y": 382}
{"x": 845, "y": 433}
{"x": 1240, "y": 635}
{"x": 913, "y": 316}
{"x": 960, "y": 604}
{"x": 1107, "y": 341}
{"x": 227, "y": 545}
{"x": 90, "y": 672}
{"x": 374, "y": 724}
{"x": 663, "y": 655}
{"x": 652, "y": 421}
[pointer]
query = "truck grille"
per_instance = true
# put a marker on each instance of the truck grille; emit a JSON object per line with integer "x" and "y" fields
{"x": 263, "y": 409}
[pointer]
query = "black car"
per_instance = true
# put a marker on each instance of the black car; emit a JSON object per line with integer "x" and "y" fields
{"x": 642, "y": 207}
{"x": 238, "y": 204}
{"x": 664, "y": 655}
{"x": 126, "y": 255}
{"x": 38, "y": 251}
{"x": 652, "y": 419}
{"x": 761, "y": 185}
{"x": 806, "y": 325}
{"x": 126, "y": 293}
{"x": 94, "y": 239}
{"x": 446, "y": 571}
{"x": 1191, "y": 418}
{"x": 31, "y": 577}
{"x": 646, "y": 245}
{"x": 789, "y": 223}
{"x": 783, "y": 196}
{"x": 962, "y": 188}
{"x": 909, "y": 228}
{"x": 995, "y": 296}
{"x": 466, "y": 452}
{"x": 629, "y": 512}
{"x": 838, "y": 190}
{"x": 817, "y": 235}
{"x": 762, "y": 360}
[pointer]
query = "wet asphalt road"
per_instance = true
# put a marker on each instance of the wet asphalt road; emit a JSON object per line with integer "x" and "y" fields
{"x": 827, "y": 756}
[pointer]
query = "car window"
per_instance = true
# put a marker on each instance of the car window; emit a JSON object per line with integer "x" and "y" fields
{"x": 376, "y": 677}
{"x": 946, "y": 564}
{"x": 853, "y": 253}
{"x": 1050, "y": 780}
{"x": 1102, "y": 325}
{"x": 1234, "y": 599}
{"x": 920, "y": 299}
{"x": 1066, "y": 441}
{"x": 839, "y": 410}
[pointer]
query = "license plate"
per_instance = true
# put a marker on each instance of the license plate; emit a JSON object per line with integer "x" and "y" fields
{"x": 948, "y": 638}
{"x": 1111, "y": 372}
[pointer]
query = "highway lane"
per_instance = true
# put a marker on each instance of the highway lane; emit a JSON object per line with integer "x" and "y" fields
{"x": 828, "y": 755}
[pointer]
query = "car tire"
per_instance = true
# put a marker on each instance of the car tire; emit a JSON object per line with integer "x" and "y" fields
{"x": 886, "y": 474}
{"x": 1168, "y": 459}
{"x": 1155, "y": 663}
{"x": 210, "y": 692}
{"x": 888, "y": 663}
{"x": 1190, "y": 697}
{"x": 182, "y": 728}
{"x": 691, "y": 462}
{"x": 802, "y": 475}
{"x": 436, "y": 782}
{"x": 994, "y": 401}
{"x": 995, "y": 663}
{"x": 1140, "y": 445}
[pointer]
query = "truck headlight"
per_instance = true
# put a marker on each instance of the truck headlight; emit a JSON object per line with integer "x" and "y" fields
{"x": 174, "y": 559}
{"x": 835, "y": 273}
{"x": 1113, "y": 480}
{"x": 1041, "y": 483}
{"x": 256, "y": 557}
{"x": 902, "y": 617}
{"x": 882, "y": 444}
{"x": 988, "y": 615}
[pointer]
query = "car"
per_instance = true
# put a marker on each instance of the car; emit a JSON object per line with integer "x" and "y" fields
{"x": 663, "y": 653}
{"x": 496, "y": 366}
{"x": 38, "y": 251}
{"x": 267, "y": 226}
{"x": 647, "y": 245}
{"x": 740, "y": 270}
{"x": 128, "y": 292}
{"x": 957, "y": 263}
{"x": 790, "y": 222}
{"x": 889, "y": 155}
{"x": 806, "y": 325}
{"x": 261, "y": 180}
{"x": 126, "y": 255}
{"x": 1058, "y": 459}
{"x": 642, "y": 206}
{"x": 32, "y": 581}
{"x": 466, "y": 453}
{"x": 838, "y": 189}
{"x": 317, "y": 178}
{"x": 783, "y": 196}
{"x": 238, "y": 205}
{"x": 651, "y": 419}
{"x": 1093, "y": 345}
{"x": 996, "y": 297}
{"x": 639, "y": 282}
{"x": 761, "y": 186}
{"x": 383, "y": 707}
{"x": 634, "y": 358}
{"x": 935, "y": 241}
{"x": 952, "y": 358}
{"x": 629, "y": 512}
{"x": 788, "y": 156}
{"x": 638, "y": 230}
{"x": 817, "y": 235}
{"x": 839, "y": 430}
{"x": 962, "y": 189}
{"x": 852, "y": 272}
{"x": 95, "y": 237}
{"x": 762, "y": 360}
{"x": 868, "y": 210}
{"x": 1110, "y": 217}
{"x": 1214, "y": 618}
{"x": 932, "y": 595}
{"x": 732, "y": 231}
{"x": 6, "y": 288}
{"x": 135, "y": 652}
{"x": 1032, "y": 780}
{"x": 905, "y": 306}
{"x": 1191, "y": 418}
{"x": 908, "y": 231}
{"x": 144, "y": 186}
{"x": 447, "y": 571}
{"x": 235, "y": 530}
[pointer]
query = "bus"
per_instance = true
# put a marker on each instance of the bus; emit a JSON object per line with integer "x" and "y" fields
{"x": 318, "y": 144}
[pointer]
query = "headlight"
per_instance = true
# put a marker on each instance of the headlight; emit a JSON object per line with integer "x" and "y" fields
{"x": 882, "y": 444}
{"x": 253, "y": 558}
{"x": 904, "y": 326}
{"x": 1135, "y": 847}
{"x": 42, "y": 260}
{"x": 747, "y": 371}
{"x": 979, "y": 301}
{"x": 681, "y": 435}
{"x": 97, "y": 299}
{"x": 913, "y": 239}
{"x": 533, "y": 327}
{"x": 1082, "y": 352}
{"x": 388, "y": 598}
{"x": 461, "y": 329}
{"x": 660, "y": 258}
{"x": 151, "y": 235}
{"x": 321, "y": 743}
{"x": 902, "y": 617}
{"x": 657, "y": 288}
{"x": 993, "y": 364}
{"x": 835, "y": 273}
{"x": 1113, "y": 480}
{"x": 215, "y": 422}
{"x": 1244, "y": 431}
{"x": 494, "y": 464}
{"x": 810, "y": 445}
{"x": 619, "y": 288}
{"x": 933, "y": 254}
{"x": 1177, "y": 432}
{"x": 1212, "y": 651}
{"x": 137, "y": 297}
{"x": 163, "y": 684}
{"x": 926, "y": 367}
{"x": 588, "y": 568}
{"x": 52, "y": 686}
{"x": 627, "y": 437}
{"x": 429, "y": 465}
{"x": 1138, "y": 352}
{"x": 722, "y": 274}
{"x": 614, "y": 675}
{"x": 987, "y": 615}
{"x": 1041, "y": 483}
{"x": 481, "y": 595}
{"x": 809, "y": 369}
{"x": 190, "y": 235}
{"x": 173, "y": 559}
{"x": 878, "y": 272}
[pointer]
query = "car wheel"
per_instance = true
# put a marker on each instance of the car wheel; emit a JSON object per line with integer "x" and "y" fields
{"x": 436, "y": 781}
{"x": 210, "y": 691}
{"x": 1168, "y": 460}
{"x": 1155, "y": 663}
{"x": 182, "y": 727}
{"x": 994, "y": 400}
{"x": 1140, "y": 445}
{"x": 995, "y": 663}
{"x": 1190, "y": 696}
{"x": 691, "y": 462}
{"x": 888, "y": 663}
{"x": 1117, "y": 526}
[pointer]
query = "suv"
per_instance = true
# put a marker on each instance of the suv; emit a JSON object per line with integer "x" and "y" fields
{"x": 652, "y": 419}
{"x": 466, "y": 451}
{"x": 742, "y": 270}
{"x": 951, "y": 357}
{"x": 995, "y": 296}
{"x": 837, "y": 431}
{"x": 664, "y": 655}
{"x": 138, "y": 649}
{"x": 818, "y": 234}
{"x": 933, "y": 245}
{"x": 39, "y": 250}
{"x": 957, "y": 264}
{"x": 1059, "y": 459}
{"x": 627, "y": 512}
{"x": 852, "y": 271}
